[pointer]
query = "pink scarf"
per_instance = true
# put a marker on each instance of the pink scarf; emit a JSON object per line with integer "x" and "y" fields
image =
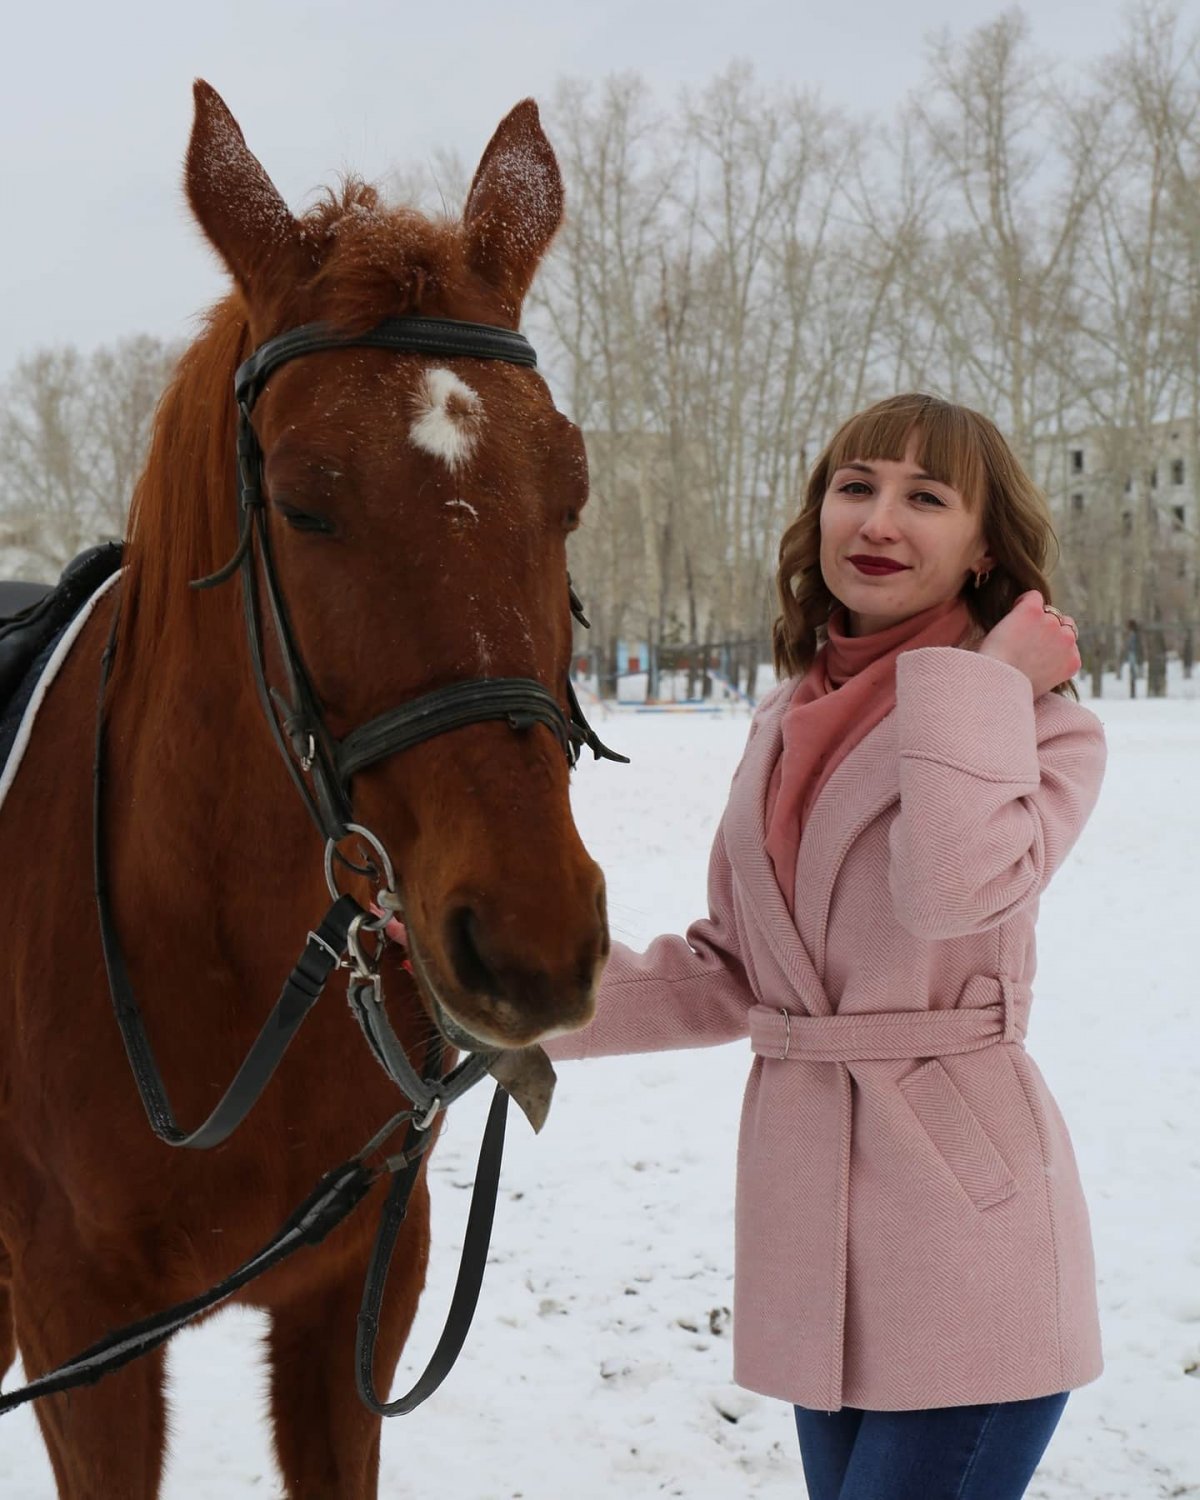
{"x": 850, "y": 687}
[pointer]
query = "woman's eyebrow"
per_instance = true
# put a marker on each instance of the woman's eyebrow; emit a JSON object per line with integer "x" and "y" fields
{"x": 920, "y": 476}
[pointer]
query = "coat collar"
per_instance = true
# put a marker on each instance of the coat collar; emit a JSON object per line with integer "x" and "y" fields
{"x": 862, "y": 786}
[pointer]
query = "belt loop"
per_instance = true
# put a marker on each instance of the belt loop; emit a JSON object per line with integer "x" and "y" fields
{"x": 787, "y": 1021}
{"x": 1008, "y": 989}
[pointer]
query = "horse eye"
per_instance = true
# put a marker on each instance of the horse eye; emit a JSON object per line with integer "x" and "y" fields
{"x": 303, "y": 520}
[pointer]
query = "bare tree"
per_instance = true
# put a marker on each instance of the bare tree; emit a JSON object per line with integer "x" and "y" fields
{"x": 743, "y": 269}
{"x": 596, "y": 297}
{"x": 73, "y": 437}
{"x": 1141, "y": 271}
{"x": 45, "y": 474}
{"x": 1013, "y": 211}
{"x": 124, "y": 386}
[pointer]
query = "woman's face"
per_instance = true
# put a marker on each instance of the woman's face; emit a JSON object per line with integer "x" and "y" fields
{"x": 894, "y": 511}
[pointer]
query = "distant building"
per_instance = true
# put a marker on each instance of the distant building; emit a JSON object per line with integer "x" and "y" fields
{"x": 1102, "y": 473}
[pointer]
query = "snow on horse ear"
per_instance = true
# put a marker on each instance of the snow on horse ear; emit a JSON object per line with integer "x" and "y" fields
{"x": 515, "y": 205}
{"x": 235, "y": 202}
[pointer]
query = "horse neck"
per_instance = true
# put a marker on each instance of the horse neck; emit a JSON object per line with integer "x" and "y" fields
{"x": 185, "y": 719}
{"x": 192, "y": 745}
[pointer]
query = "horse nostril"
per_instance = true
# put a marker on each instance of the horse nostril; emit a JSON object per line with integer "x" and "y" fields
{"x": 470, "y": 967}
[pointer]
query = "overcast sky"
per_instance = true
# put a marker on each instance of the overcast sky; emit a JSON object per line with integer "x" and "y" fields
{"x": 95, "y": 108}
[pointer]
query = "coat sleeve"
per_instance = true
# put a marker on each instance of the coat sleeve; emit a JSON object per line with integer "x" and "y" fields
{"x": 689, "y": 991}
{"x": 994, "y": 790}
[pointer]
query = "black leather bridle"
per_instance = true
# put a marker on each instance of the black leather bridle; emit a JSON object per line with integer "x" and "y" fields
{"x": 295, "y": 716}
{"x": 309, "y": 750}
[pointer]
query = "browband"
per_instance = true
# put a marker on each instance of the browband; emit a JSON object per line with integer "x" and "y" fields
{"x": 406, "y": 335}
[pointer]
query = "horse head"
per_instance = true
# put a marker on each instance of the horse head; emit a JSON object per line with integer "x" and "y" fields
{"x": 416, "y": 513}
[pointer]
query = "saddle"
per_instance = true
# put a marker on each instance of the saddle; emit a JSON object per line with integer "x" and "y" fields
{"x": 33, "y": 616}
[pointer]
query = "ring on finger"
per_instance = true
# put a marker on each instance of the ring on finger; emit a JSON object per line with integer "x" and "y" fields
{"x": 1062, "y": 619}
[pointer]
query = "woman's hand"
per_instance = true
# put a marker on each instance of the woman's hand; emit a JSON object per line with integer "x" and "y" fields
{"x": 1040, "y": 644}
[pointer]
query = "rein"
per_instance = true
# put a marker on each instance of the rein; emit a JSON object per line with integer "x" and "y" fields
{"x": 322, "y": 769}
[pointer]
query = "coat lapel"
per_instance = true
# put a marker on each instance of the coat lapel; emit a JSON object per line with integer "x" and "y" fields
{"x": 861, "y": 787}
{"x": 745, "y": 839}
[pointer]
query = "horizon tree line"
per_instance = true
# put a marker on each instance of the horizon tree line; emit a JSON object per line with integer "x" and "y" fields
{"x": 745, "y": 266}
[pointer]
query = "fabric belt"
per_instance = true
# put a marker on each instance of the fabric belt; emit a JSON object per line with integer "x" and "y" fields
{"x": 989, "y": 1011}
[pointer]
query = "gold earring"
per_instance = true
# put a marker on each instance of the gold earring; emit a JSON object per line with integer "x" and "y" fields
{"x": 982, "y": 578}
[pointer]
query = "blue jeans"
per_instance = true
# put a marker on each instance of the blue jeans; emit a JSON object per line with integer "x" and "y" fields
{"x": 947, "y": 1453}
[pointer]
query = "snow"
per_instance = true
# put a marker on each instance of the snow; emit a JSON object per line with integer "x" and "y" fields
{"x": 600, "y": 1357}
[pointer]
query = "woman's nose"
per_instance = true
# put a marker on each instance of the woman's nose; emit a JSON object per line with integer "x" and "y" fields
{"x": 880, "y": 520}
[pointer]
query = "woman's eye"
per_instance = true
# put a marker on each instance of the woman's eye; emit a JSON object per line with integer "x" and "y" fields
{"x": 858, "y": 487}
{"x": 303, "y": 520}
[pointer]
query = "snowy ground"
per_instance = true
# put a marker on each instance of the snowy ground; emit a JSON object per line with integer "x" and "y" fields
{"x": 599, "y": 1361}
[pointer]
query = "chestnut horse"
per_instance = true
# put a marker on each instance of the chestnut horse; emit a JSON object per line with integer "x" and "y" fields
{"x": 418, "y": 511}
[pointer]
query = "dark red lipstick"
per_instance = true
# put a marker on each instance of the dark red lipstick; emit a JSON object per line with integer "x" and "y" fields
{"x": 876, "y": 566}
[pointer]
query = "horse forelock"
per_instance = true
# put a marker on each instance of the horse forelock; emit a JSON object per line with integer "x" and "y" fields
{"x": 376, "y": 260}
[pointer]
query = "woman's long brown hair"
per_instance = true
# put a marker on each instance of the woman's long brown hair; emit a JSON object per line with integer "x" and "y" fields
{"x": 957, "y": 446}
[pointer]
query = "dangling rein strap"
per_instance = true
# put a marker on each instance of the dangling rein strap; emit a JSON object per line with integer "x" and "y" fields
{"x": 339, "y": 1192}
{"x": 321, "y": 956}
{"x": 333, "y": 1200}
{"x": 470, "y": 1272}
{"x": 335, "y": 1197}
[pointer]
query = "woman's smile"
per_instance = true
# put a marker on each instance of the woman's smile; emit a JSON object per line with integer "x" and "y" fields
{"x": 877, "y": 567}
{"x": 886, "y": 519}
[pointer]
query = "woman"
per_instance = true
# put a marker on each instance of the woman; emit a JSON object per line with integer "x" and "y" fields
{"x": 914, "y": 1267}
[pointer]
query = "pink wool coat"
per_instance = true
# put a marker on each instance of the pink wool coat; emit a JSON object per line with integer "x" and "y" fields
{"x": 910, "y": 1226}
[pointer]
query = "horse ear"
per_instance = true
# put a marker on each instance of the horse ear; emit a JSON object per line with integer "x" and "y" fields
{"x": 515, "y": 205}
{"x": 236, "y": 203}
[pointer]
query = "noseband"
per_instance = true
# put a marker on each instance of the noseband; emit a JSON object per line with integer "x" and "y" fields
{"x": 321, "y": 766}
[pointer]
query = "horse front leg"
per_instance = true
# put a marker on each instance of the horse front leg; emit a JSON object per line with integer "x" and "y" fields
{"x": 326, "y": 1441}
{"x": 109, "y": 1439}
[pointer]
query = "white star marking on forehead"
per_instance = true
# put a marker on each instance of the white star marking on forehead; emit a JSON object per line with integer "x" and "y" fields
{"x": 449, "y": 417}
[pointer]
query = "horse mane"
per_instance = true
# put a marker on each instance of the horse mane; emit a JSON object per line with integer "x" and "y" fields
{"x": 370, "y": 261}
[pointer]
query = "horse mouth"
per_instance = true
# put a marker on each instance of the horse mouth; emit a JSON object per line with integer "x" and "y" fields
{"x": 452, "y": 1030}
{"x": 457, "y": 1035}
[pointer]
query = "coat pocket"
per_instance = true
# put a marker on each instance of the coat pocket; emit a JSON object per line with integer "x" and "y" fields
{"x": 957, "y": 1135}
